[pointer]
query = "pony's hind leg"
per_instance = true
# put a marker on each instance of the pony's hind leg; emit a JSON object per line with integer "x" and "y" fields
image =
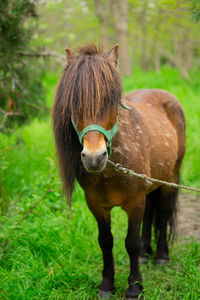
{"x": 165, "y": 215}
{"x": 147, "y": 224}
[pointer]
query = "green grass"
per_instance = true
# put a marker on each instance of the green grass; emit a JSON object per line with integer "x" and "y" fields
{"x": 54, "y": 254}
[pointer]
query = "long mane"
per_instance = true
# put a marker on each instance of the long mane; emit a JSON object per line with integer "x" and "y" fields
{"x": 89, "y": 85}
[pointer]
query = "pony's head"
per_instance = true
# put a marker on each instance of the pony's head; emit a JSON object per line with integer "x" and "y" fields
{"x": 86, "y": 107}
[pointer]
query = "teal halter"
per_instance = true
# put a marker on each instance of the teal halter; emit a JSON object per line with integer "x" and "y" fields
{"x": 109, "y": 134}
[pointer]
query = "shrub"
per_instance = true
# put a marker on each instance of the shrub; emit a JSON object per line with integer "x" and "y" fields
{"x": 21, "y": 92}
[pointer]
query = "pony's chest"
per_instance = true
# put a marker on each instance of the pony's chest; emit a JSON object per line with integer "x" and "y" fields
{"x": 106, "y": 193}
{"x": 111, "y": 188}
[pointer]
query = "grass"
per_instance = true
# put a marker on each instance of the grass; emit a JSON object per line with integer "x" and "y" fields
{"x": 54, "y": 254}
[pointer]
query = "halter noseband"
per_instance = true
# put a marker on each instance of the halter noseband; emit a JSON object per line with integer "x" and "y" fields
{"x": 108, "y": 134}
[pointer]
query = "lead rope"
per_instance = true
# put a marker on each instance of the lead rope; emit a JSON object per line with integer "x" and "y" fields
{"x": 150, "y": 180}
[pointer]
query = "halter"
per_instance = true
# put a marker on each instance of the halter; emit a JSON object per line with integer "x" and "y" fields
{"x": 108, "y": 134}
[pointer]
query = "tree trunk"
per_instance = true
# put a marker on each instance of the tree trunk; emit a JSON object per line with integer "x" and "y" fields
{"x": 143, "y": 61}
{"x": 155, "y": 46}
{"x": 157, "y": 62}
{"x": 102, "y": 9}
{"x": 183, "y": 51}
{"x": 120, "y": 12}
{"x": 176, "y": 63}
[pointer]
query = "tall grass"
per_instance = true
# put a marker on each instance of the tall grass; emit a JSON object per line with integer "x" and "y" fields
{"x": 53, "y": 253}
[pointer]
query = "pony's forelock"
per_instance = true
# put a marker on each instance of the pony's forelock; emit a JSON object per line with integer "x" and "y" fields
{"x": 90, "y": 84}
{"x": 90, "y": 49}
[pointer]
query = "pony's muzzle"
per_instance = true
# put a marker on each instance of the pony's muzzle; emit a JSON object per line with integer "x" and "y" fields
{"x": 94, "y": 162}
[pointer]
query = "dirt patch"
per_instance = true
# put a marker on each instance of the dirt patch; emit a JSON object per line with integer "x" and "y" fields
{"x": 189, "y": 216}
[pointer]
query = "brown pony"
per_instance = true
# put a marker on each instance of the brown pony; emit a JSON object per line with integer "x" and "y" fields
{"x": 150, "y": 139}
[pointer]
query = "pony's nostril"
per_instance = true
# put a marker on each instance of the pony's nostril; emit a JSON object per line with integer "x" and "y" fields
{"x": 83, "y": 155}
{"x": 102, "y": 157}
{"x": 104, "y": 153}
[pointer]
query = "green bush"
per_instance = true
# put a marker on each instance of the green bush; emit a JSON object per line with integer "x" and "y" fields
{"x": 21, "y": 91}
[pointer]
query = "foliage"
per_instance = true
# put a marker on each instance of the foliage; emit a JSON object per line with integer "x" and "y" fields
{"x": 159, "y": 31}
{"x": 74, "y": 20}
{"x": 196, "y": 10}
{"x": 53, "y": 253}
{"x": 21, "y": 93}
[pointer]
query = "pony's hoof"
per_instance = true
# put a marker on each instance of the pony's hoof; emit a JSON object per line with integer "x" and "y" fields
{"x": 162, "y": 262}
{"x": 134, "y": 292}
{"x": 106, "y": 295}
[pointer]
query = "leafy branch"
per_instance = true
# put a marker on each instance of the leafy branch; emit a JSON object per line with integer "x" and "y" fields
{"x": 6, "y": 115}
{"x": 59, "y": 57}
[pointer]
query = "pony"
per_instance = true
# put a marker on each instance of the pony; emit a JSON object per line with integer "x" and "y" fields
{"x": 143, "y": 131}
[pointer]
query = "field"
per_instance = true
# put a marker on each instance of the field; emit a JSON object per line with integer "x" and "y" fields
{"x": 49, "y": 252}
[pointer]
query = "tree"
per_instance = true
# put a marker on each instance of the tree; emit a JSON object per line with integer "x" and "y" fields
{"x": 120, "y": 13}
{"x": 195, "y": 8}
{"x": 149, "y": 32}
{"x": 102, "y": 9}
{"x": 21, "y": 93}
{"x": 114, "y": 14}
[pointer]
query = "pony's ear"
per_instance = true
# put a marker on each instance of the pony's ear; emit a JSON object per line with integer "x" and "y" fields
{"x": 113, "y": 55}
{"x": 70, "y": 55}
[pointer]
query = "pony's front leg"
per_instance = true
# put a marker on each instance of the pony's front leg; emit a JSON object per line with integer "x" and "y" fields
{"x": 105, "y": 238}
{"x": 133, "y": 244}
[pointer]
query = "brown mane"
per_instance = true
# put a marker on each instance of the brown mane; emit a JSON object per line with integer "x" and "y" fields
{"x": 89, "y": 85}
